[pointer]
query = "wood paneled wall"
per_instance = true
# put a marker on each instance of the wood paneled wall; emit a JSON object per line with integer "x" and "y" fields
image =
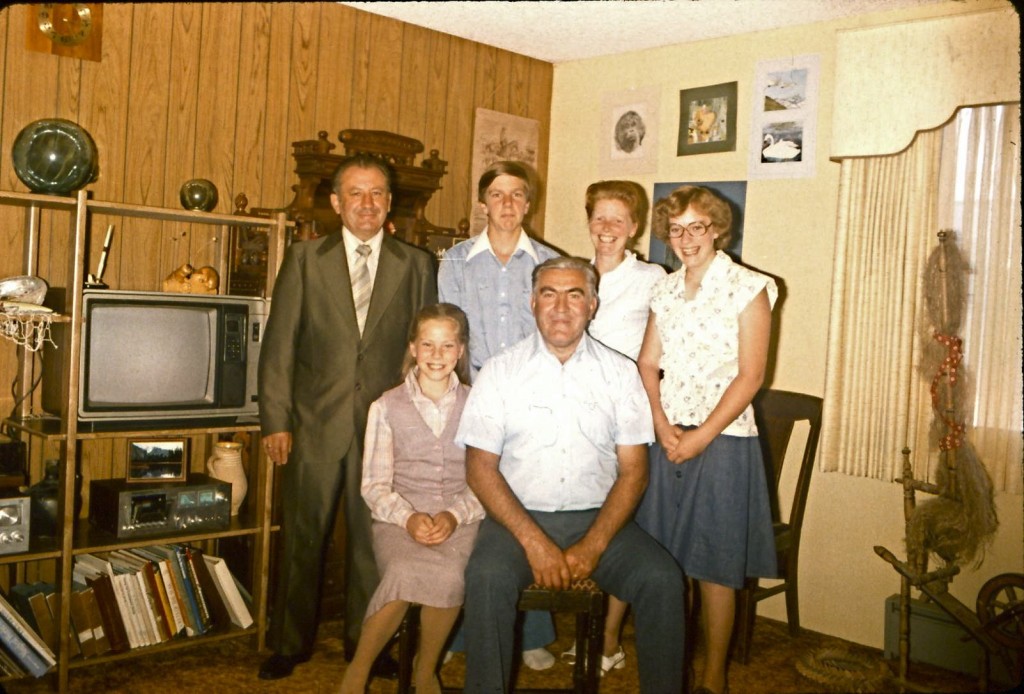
{"x": 221, "y": 90}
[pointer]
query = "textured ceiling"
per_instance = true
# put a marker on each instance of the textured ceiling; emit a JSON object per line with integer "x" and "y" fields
{"x": 560, "y": 31}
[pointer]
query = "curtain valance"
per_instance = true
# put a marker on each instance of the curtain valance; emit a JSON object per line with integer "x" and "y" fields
{"x": 897, "y": 79}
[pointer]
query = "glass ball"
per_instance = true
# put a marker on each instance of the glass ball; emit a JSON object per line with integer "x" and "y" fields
{"x": 198, "y": 194}
{"x": 54, "y": 155}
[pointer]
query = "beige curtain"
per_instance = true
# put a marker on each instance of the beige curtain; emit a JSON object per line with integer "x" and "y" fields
{"x": 890, "y": 209}
{"x": 980, "y": 200}
{"x": 887, "y": 220}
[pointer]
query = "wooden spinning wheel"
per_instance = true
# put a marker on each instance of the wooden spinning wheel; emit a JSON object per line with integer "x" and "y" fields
{"x": 1001, "y": 609}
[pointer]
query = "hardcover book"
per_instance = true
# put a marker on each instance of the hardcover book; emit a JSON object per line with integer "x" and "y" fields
{"x": 53, "y": 602}
{"x": 228, "y": 589}
{"x": 92, "y": 611}
{"x": 219, "y": 612}
{"x": 27, "y": 647}
{"x": 110, "y": 613}
{"x": 82, "y": 628}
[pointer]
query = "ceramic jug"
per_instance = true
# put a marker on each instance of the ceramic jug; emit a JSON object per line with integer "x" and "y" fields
{"x": 226, "y": 464}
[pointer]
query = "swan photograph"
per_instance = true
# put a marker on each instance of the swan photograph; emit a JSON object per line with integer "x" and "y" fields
{"x": 782, "y": 142}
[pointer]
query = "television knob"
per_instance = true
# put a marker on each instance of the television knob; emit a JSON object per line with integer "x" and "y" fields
{"x": 16, "y": 536}
{"x": 5, "y": 538}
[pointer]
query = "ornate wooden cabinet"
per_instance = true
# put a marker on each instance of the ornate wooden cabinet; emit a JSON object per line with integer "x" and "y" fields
{"x": 310, "y": 209}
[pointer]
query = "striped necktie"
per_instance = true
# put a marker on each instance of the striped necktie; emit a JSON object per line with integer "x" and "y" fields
{"x": 361, "y": 285}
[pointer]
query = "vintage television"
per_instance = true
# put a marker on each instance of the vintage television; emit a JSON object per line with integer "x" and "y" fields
{"x": 159, "y": 358}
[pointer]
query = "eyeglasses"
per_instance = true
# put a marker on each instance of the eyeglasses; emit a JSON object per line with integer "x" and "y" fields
{"x": 697, "y": 229}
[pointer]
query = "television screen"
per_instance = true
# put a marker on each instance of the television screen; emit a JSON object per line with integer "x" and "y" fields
{"x": 149, "y": 355}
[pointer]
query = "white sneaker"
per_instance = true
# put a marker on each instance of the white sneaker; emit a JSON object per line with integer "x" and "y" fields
{"x": 538, "y": 659}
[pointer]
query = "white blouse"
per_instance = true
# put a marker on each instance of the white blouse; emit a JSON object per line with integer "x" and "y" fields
{"x": 700, "y": 339}
{"x": 625, "y": 296}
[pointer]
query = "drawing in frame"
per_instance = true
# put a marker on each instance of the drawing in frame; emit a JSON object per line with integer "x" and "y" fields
{"x": 707, "y": 119}
{"x": 500, "y": 137}
{"x": 783, "y": 136}
{"x": 157, "y": 459}
{"x": 629, "y": 132}
{"x": 735, "y": 192}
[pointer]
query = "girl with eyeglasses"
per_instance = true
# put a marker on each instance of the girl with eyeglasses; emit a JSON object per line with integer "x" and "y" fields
{"x": 708, "y": 332}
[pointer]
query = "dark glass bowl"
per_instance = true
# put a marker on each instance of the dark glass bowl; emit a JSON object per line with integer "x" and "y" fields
{"x": 54, "y": 155}
{"x": 198, "y": 194}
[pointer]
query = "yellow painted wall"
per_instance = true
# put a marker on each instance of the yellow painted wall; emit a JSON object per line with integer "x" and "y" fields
{"x": 790, "y": 233}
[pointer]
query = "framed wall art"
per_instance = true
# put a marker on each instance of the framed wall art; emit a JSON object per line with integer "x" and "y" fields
{"x": 157, "y": 459}
{"x": 629, "y": 132}
{"x": 707, "y": 119}
{"x": 733, "y": 191}
{"x": 499, "y": 137}
{"x": 783, "y": 133}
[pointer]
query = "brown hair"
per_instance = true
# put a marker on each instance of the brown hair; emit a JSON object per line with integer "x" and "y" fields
{"x": 360, "y": 160}
{"x": 630, "y": 194}
{"x": 703, "y": 200}
{"x": 504, "y": 168}
{"x": 441, "y": 311}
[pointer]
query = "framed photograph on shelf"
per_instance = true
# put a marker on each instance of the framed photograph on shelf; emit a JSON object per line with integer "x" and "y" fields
{"x": 707, "y": 119}
{"x": 783, "y": 136}
{"x": 629, "y": 132}
{"x": 157, "y": 459}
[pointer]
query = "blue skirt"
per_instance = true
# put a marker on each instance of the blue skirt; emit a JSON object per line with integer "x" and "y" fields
{"x": 712, "y": 513}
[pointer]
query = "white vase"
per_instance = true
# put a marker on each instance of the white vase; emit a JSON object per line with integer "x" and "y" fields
{"x": 226, "y": 464}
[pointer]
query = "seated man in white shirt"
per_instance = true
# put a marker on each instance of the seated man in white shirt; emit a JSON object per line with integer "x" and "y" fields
{"x": 556, "y": 430}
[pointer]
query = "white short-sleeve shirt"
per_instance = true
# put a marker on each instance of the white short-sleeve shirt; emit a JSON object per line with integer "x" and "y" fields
{"x": 700, "y": 339}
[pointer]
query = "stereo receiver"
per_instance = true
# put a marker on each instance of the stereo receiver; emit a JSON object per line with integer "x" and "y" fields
{"x": 15, "y": 514}
{"x": 134, "y": 510}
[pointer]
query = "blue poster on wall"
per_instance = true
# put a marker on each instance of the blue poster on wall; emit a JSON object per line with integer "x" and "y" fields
{"x": 735, "y": 192}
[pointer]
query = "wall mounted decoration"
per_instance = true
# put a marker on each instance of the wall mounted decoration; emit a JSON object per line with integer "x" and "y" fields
{"x": 66, "y": 29}
{"x": 733, "y": 191}
{"x": 783, "y": 131}
{"x": 629, "y": 132}
{"x": 499, "y": 137}
{"x": 707, "y": 119}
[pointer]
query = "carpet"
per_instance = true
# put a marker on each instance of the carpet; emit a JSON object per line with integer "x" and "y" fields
{"x": 230, "y": 666}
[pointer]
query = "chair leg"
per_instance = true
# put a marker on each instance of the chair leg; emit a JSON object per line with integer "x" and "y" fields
{"x": 592, "y": 625}
{"x": 407, "y": 648}
{"x": 792, "y": 603}
{"x": 746, "y": 611}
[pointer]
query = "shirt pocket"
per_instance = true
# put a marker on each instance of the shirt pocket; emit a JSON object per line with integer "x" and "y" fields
{"x": 597, "y": 422}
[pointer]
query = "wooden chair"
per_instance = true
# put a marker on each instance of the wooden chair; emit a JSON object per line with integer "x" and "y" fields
{"x": 584, "y": 598}
{"x": 777, "y": 411}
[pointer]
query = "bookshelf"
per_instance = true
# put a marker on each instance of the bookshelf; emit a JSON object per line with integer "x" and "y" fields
{"x": 76, "y": 536}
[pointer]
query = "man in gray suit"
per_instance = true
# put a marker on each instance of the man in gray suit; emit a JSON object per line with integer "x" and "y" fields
{"x": 338, "y": 330}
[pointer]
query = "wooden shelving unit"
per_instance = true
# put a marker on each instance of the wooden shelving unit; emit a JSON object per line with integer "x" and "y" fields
{"x": 76, "y": 536}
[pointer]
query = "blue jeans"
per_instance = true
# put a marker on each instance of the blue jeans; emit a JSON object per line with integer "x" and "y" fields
{"x": 633, "y": 568}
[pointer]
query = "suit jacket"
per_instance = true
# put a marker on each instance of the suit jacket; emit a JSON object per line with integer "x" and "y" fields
{"x": 317, "y": 376}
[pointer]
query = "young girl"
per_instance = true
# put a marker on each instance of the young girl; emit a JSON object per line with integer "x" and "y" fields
{"x": 425, "y": 518}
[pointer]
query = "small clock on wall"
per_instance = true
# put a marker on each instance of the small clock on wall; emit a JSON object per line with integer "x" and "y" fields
{"x": 71, "y": 30}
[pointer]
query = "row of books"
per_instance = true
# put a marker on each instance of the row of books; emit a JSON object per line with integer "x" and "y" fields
{"x": 128, "y": 599}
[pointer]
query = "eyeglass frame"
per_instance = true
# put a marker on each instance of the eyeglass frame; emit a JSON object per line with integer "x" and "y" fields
{"x": 689, "y": 229}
